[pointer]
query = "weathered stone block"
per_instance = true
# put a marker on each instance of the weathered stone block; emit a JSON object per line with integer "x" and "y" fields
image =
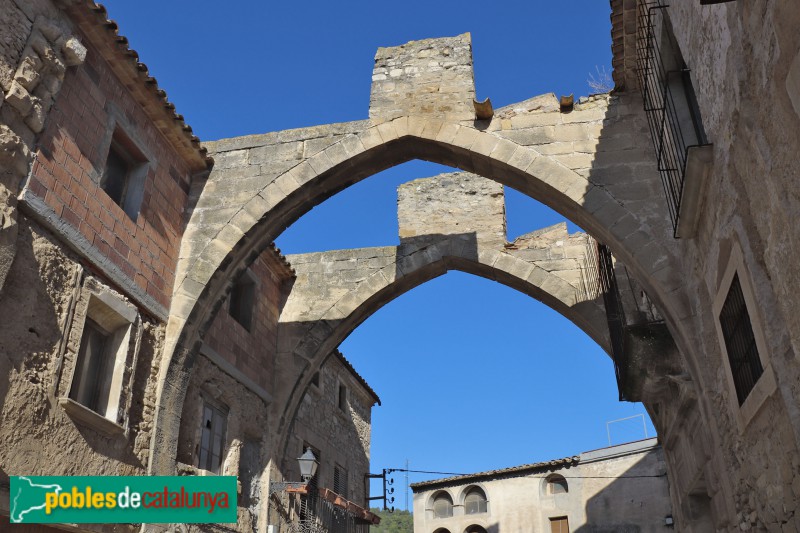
{"x": 29, "y": 72}
{"x": 19, "y": 98}
{"x": 74, "y": 52}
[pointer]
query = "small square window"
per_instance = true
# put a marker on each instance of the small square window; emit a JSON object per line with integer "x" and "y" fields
{"x": 212, "y": 437}
{"x": 124, "y": 173}
{"x": 242, "y": 300}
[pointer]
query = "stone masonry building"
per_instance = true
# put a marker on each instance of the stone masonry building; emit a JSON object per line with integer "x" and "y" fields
{"x": 136, "y": 265}
{"x": 621, "y": 489}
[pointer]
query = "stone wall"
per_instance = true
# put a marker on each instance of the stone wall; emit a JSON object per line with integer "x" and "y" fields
{"x": 453, "y": 203}
{"x": 341, "y": 435}
{"x": 429, "y": 77}
{"x": 741, "y": 56}
{"x": 36, "y": 48}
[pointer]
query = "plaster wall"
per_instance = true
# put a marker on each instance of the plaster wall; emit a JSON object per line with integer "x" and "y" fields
{"x": 615, "y": 489}
{"x": 38, "y": 348}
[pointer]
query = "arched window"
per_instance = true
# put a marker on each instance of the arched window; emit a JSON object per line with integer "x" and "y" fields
{"x": 442, "y": 530}
{"x": 475, "y": 529}
{"x": 475, "y": 501}
{"x": 442, "y": 505}
{"x": 557, "y": 485}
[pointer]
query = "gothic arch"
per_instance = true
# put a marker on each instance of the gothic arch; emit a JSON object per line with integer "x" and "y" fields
{"x": 241, "y": 210}
{"x": 318, "y": 325}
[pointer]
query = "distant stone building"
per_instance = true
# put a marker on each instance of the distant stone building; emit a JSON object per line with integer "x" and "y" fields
{"x": 617, "y": 489}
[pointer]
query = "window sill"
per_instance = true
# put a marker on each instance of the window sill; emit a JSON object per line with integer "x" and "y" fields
{"x": 191, "y": 470}
{"x": 763, "y": 389}
{"x": 85, "y": 416}
{"x": 699, "y": 160}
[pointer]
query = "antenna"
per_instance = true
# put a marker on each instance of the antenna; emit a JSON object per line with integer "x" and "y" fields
{"x": 406, "y": 484}
{"x": 628, "y": 428}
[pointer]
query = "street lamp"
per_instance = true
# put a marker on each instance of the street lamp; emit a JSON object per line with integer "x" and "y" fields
{"x": 308, "y": 468}
{"x": 308, "y": 465}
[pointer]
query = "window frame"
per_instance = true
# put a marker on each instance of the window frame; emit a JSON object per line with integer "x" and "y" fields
{"x": 556, "y": 480}
{"x": 102, "y": 311}
{"x": 137, "y": 163}
{"x": 443, "y": 494}
{"x": 245, "y": 318}
{"x": 766, "y": 384}
{"x": 485, "y": 501}
{"x": 340, "y": 480}
{"x": 342, "y": 399}
{"x": 223, "y": 411}
{"x": 564, "y": 520}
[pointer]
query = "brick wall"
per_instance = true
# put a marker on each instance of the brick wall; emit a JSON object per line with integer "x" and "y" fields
{"x": 70, "y": 162}
{"x": 253, "y": 352}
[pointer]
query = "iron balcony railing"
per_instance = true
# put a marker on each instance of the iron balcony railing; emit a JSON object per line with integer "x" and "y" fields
{"x": 600, "y": 281}
{"x": 615, "y": 313}
{"x": 669, "y": 101}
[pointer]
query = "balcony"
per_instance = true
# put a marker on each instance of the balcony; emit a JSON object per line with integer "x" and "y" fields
{"x": 683, "y": 153}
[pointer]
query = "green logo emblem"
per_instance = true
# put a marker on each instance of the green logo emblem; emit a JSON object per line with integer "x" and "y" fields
{"x": 123, "y": 499}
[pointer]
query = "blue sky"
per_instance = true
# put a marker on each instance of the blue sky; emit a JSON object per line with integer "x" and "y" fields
{"x": 473, "y": 375}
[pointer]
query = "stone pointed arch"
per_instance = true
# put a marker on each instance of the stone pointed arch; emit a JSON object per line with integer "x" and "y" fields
{"x": 319, "y": 314}
{"x": 587, "y": 165}
{"x": 238, "y": 215}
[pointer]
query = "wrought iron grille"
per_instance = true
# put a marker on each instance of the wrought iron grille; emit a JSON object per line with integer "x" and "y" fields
{"x": 669, "y": 102}
{"x": 740, "y": 342}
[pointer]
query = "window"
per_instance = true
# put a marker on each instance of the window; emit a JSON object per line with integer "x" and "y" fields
{"x": 124, "y": 173}
{"x": 557, "y": 485}
{"x": 740, "y": 341}
{"x": 342, "y": 397}
{"x": 340, "y": 480}
{"x": 315, "y": 379}
{"x": 242, "y": 299}
{"x": 90, "y": 384}
{"x": 475, "y": 529}
{"x": 681, "y": 147}
{"x": 475, "y": 501}
{"x": 212, "y": 437}
{"x": 442, "y": 505}
{"x": 559, "y": 525}
{"x": 107, "y": 347}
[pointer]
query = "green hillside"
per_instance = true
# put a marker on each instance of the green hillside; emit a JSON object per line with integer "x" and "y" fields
{"x": 396, "y": 522}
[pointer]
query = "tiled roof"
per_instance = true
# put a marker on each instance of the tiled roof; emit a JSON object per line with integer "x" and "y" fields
{"x": 92, "y": 19}
{"x": 281, "y": 260}
{"x": 358, "y": 377}
{"x": 491, "y": 474}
